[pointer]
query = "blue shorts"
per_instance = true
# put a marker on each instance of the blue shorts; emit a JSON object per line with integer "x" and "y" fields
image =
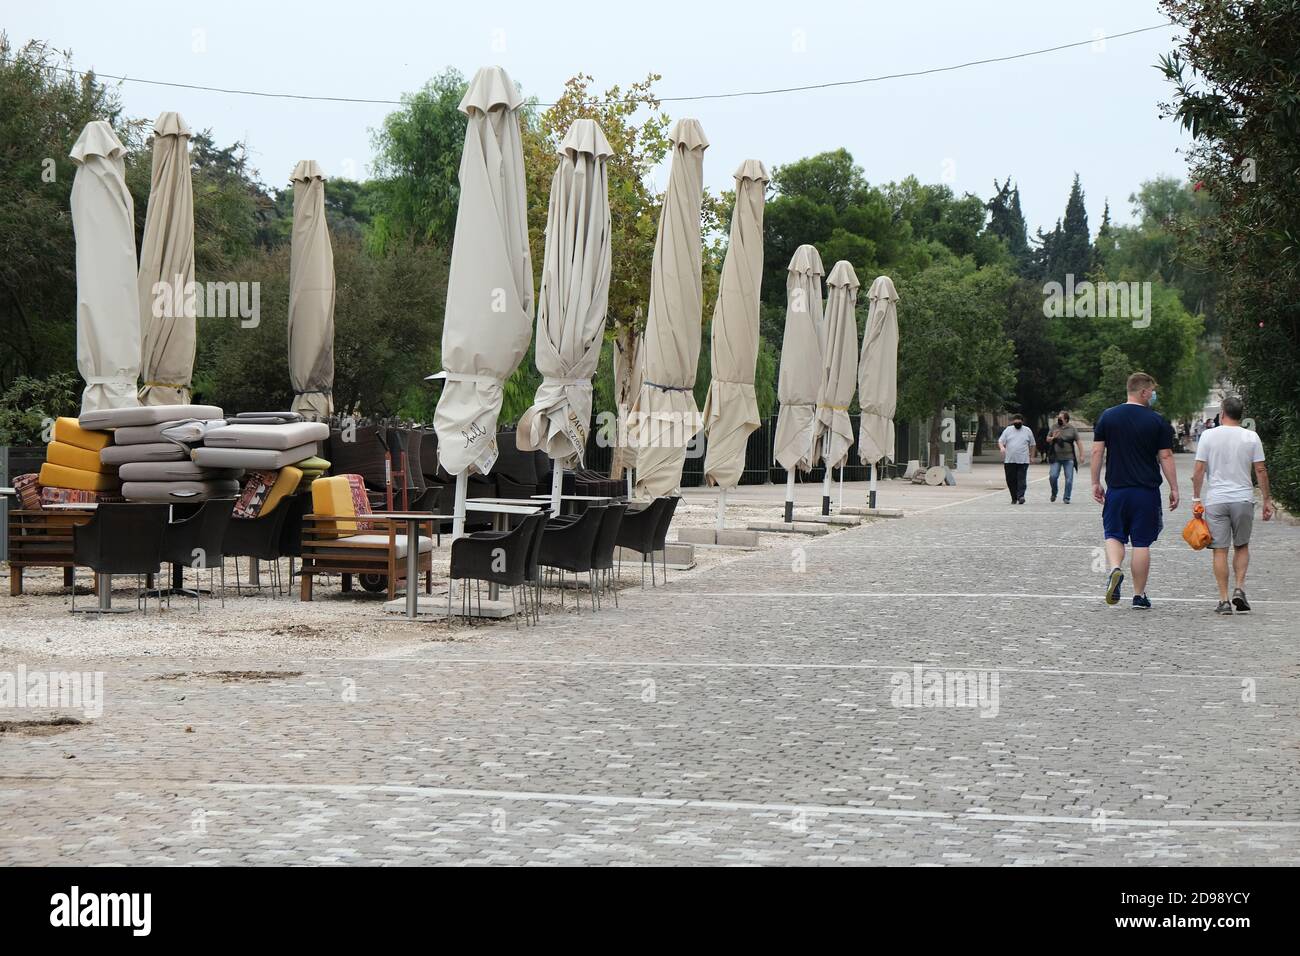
{"x": 1132, "y": 515}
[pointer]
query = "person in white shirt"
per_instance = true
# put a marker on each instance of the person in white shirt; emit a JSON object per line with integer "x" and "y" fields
{"x": 1227, "y": 455}
{"x": 1016, "y": 443}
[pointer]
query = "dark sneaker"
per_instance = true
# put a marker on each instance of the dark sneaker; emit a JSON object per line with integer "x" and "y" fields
{"x": 1239, "y": 600}
{"x": 1223, "y": 607}
{"x": 1066, "y": 500}
{"x": 1141, "y": 602}
{"x": 1112, "y": 585}
{"x": 1053, "y": 497}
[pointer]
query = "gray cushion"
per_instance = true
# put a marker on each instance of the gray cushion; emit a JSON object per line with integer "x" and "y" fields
{"x": 252, "y": 459}
{"x": 277, "y": 437}
{"x": 146, "y": 415}
{"x": 140, "y": 434}
{"x": 174, "y": 471}
{"x": 157, "y": 451}
{"x": 170, "y": 491}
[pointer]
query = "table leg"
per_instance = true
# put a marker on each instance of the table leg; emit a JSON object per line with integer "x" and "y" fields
{"x": 412, "y": 567}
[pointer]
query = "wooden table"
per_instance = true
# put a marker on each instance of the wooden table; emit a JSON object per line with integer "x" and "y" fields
{"x": 413, "y": 521}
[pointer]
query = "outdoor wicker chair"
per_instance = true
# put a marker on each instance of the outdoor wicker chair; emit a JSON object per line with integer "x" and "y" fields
{"x": 501, "y": 558}
{"x": 119, "y": 539}
{"x": 602, "y": 558}
{"x": 637, "y": 532}
{"x": 569, "y": 547}
{"x": 199, "y": 537}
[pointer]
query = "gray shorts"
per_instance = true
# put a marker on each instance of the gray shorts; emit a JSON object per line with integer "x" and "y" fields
{"x": 1230, "y": 523}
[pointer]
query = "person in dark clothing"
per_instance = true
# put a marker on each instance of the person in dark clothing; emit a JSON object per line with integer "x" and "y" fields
{"x": 1065, "y": 451}
{"x": 1137, "y": 444}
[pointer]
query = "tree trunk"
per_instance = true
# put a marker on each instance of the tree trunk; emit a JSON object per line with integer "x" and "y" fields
{"x": 936, "y": 426}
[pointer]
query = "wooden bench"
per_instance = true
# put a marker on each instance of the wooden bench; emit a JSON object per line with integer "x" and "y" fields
{"x": 326, "y": 550}
{"x": 41, "y": 539}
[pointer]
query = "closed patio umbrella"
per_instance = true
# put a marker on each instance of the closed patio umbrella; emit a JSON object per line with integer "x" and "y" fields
{"x": 731, "y": 410}
{"x": 666, "y": 416}
{"x": 801, "y": 368}
{"x": 834, "y": 430}
{"x": 108, "y": 299}
{"x": 311, "y": 297}
{"x": 571, "y": 303}
{"x": 490, "y": 287}
{"x": 878, "y": 378}
{"x": 167, "y": 257}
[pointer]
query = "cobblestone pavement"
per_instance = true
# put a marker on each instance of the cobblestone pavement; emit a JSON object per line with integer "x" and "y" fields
{"x": 743, "y": 716}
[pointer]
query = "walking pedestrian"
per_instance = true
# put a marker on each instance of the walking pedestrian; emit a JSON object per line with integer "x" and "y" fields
{"x": 1137, "y": 444}
{"x": 1227, "y": 455}
{"x": 1066, "y": 451}
{"x": 1016, "y": 444}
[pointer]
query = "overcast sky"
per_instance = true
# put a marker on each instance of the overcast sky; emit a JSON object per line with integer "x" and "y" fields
{"x": 1040, "y": 120}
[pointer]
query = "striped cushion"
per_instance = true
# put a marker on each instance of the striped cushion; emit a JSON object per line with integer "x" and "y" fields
{"x": 28, "y": 488}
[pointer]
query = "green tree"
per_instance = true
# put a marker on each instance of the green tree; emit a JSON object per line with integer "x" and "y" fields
{"x": 953, "y": 351}
{"x": 1112, "y": 383}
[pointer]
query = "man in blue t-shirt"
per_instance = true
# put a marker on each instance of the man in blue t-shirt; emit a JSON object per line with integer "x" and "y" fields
{"x": 1138, "y": 445}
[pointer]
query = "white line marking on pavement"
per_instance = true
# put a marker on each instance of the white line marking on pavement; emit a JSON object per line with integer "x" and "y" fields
{"x": 925, "y": 594}
{"x": 777, "y": 665}
{"x": 951, "y": 504}
{"x": 732, "y": 805}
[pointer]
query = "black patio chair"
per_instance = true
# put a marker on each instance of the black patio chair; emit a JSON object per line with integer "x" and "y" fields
{"x": 203, "y": 532}
{"x": 602, "y": 557}
{"x": 298, "y": 505}
{"x": 637, "y": 532}
{"x": 661, "y": 531}
{"x": 568, "y": 546}
{"x": 119, "y": 539}
{"x": 499, "y": 558}
{"x": 257, "y": 539}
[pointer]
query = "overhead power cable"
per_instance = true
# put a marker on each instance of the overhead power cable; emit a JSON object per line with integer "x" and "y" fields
{"x": 663, "y": 99}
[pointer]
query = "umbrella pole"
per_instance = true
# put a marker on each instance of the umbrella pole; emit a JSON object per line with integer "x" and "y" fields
{"x": 458, "y": 513}
{"x": 789, "y": 495}
{"x": 388, "y": 480}
{"x": 840, "y": 507}
{"x": 871, "y": 493}
{"x": 629, "y": 482}
{"x": 722, "y": 507}
{"x": 557, "y": 484}
{"x": 826, "y": 478}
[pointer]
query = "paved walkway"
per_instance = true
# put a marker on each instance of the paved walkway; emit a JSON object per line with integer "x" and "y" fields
{"x": 744, "y": 717}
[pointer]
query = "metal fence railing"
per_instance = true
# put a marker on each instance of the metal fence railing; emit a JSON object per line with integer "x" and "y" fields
{"x": 760, "y": 461}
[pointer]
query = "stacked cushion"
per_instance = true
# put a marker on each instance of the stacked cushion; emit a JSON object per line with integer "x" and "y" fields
{"x": 73, "y": 496}
{"x": 61, "y": 476}
{"x": 28, "y": 489}
{"x": 72, "y": 459}
{"x": 69, "y": 432}
{"x": 155, "y": 468}
{"x": 260, "y": 447}
{"x": 264, "y": 490}
{"x": 146, "y": 415}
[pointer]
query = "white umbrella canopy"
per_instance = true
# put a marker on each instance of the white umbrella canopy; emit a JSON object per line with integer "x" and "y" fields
{"x": 167, "y": 258}
{"x": 801, "y": 362}
{"x": 666, "y": 416}
{"x": 108, "y": 299}
{"x": 488, "y": 321}
{"x": 878, "y": 374}
{"x": 311, "y": 297}
{"x": 573, "y": 298}
{"x": 731, "y": 410}
{"x": 834, "y": 429}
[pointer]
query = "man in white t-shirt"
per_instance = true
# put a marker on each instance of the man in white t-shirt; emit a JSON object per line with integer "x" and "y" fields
{"x": 1016, "y": 444}
{"x": 1227, "y": 455}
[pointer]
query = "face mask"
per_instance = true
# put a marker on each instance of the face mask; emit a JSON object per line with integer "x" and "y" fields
{"x": 1017, "y": 424}
{"x": 1153, "y": 397}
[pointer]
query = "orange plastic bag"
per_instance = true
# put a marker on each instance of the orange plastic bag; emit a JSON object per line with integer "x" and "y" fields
{"x": 1196, "y": 532}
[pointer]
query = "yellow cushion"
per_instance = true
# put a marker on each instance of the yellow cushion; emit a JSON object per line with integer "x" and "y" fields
{"x": 70, "y": 456}
{"x": 69, "y": 432}
{"x": 333, "y": 497}
{"x": 286, "y": 483}
{"x": 61, "y": 476}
